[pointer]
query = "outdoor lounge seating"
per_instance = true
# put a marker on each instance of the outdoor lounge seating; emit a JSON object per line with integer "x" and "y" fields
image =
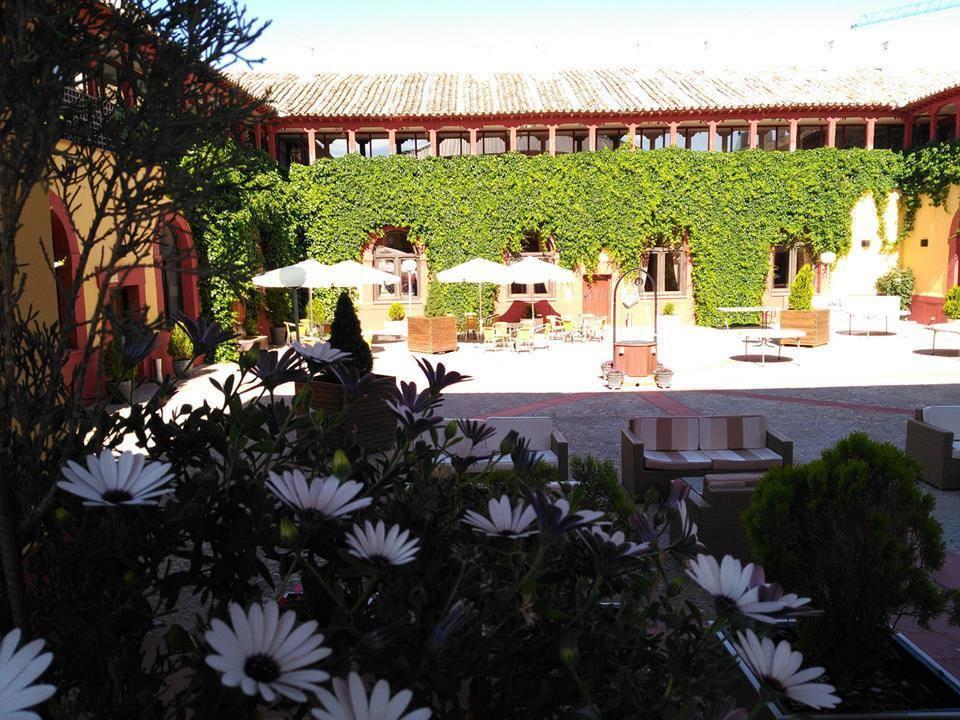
{"x": 718, "y": 512}
{"x": 933, "y": 440}
{"x": 545, "y": 440}
{"x": 654, "y": 450}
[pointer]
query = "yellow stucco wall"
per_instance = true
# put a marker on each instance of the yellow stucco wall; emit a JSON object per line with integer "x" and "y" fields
{"x": 36, "y": 237}
{"x": 930, "y": 263}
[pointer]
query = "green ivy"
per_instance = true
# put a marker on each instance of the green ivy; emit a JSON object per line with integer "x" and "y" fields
{"x": 248, "y": 225}
{"x": 929, "y": 172}
{"x": 732, "y": 207}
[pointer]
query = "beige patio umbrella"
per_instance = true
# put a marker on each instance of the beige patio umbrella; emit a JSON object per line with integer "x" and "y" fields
{"x": 307, "y": 273}
{"x": 532, "y": 270}
{"x": 477, "y": 271}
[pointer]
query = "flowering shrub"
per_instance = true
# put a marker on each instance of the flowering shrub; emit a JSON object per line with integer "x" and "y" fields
{"x": 161, "y": 582}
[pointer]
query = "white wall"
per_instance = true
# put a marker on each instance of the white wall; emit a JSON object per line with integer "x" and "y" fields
{"x": 856, "y": 273}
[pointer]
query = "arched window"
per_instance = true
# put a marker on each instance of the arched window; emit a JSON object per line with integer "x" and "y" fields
{"x": 534, "y": 244}
{"x": 394, "y": 253}
{"x": 64, "y": 273}
{"x": 171, "y": 272}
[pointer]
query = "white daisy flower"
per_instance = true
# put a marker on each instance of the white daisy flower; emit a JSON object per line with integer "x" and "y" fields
{"x": 742, "y": 589}
{"x": 613, "y": 547}
{"x": 110, "y": 480}
{"x": 261, "y": 652}
{"x": 18, "y": 669}
{"x": 375, "y": 543}
{"x": 349, "y": 701}
{"x": 321, "y": 353}
{"x": 778, "y": 667}
{"x": 325, "y": 496}
{"x": 504, "y": 520}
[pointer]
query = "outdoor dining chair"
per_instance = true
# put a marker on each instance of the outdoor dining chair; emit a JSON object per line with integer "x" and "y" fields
{"x": 524, "y": 338}
{"x": 490, "y": 339}
{"x": 501, "y": 332}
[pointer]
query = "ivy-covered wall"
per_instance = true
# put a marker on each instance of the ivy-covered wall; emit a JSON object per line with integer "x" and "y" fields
{"x": 731, "y": 207}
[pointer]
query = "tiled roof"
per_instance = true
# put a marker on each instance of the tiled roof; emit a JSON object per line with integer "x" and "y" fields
{"x": 592, "y": 91}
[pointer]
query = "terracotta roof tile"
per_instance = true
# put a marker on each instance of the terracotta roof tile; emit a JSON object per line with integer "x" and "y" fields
{"x": 622, "y": 90}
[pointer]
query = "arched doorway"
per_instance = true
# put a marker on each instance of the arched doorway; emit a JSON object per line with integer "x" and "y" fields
{"x": 394, "y": 253}
{"x": 176, "y": 265}
{"x": 71, "y": 308}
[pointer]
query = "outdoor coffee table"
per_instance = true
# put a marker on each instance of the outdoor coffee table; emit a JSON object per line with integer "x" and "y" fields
{"x": 765, "y": 337}
{"x": 766, "y": 313}
{"x": 947, "y": 327}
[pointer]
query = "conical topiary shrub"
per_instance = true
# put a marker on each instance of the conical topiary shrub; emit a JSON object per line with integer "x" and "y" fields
{"x": 801, "y": 291}
{"x": 345, "y": 335}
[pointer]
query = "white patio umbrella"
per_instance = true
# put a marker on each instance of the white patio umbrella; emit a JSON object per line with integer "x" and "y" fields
{"x": 532, "y": 270}
{"x": 350, "y": 273}
{"x": 307, "y": 273}
{"x": 478, "y": 271}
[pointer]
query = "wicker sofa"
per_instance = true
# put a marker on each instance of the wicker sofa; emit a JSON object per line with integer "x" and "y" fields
{"x": 545, "y": 440}
{"x": 654, "y": 450}
{"x": 933, "y": 440}
{"x": 718, "y": 512}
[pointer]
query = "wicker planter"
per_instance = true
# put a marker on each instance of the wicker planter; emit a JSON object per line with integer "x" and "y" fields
{"x": 816, "y": 323}
{"x": 368, "y": 421}
{"x": 432, "y": 334}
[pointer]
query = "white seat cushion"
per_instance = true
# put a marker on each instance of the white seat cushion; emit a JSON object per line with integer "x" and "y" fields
{"x": 675, "y": 460}
{"x": 504, "y": 462}
{"x": 535, "y": 429}
{"x": 946, "y": 417}
{"x": 744, "y": 459}
{"x": 956, "y": 449}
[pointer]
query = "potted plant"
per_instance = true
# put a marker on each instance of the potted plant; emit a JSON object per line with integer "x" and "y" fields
{"x": 802, "y": 316}
{"x": 663, "y": 376}
{"x": 117, "y": 370}
{"x": 396, "y": 325}
{"x": 900, "y": 282}
{"x": 277, "y": 305}
{"x": 180, "y": 348}
{"x": 614, "y": 379}
{"x": 367, "y": 418}
{"x": 605, "y": 367}
{"x": 854, "y": 532}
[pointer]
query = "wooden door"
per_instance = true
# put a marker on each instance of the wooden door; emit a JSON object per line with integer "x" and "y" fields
{"x": 596, "y": 295}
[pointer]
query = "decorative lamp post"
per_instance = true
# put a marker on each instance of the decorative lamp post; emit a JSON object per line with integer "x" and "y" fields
{"x": 827, "y": 259}
{"x": 409, "y": 266}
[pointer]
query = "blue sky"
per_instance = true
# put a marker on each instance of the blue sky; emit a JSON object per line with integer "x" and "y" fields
{"x": 492, "y": 35}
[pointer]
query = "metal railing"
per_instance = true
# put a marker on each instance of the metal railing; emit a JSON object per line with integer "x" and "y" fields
{"x": 85, "y": 117}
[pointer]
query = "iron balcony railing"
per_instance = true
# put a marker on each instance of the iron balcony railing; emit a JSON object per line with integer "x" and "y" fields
{"x": 84, "y": 118}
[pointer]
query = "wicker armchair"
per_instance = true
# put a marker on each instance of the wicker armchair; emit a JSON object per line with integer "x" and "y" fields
{"x": 932, "y": 441}
{"x": 719, "y": 510}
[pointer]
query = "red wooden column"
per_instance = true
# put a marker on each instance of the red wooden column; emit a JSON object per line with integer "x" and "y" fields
{"x": 871, "y": 132}
{"x": 793, "y": 135}
{"x": 351, "y": 141}
{"x": 272, "y": 143}
{"x": 956, "y": 119}
{"x": 673, "y": 134}
{"x": 592, "y": 137}
{"x": 513, "y": 139}
{"x": 433, "y": 143}
{"x": 711, "y": 136}
{"x": 311, "y": 147}
{"x": 258, "y": 135}
{"x": 831, "y": 132}
{"x": 392, "y": 142}
{"x": 552, "y": 139}
{"x": 473, "y": 141}
{"x": 754, "y": 140}
{"x": 934, "y": 114}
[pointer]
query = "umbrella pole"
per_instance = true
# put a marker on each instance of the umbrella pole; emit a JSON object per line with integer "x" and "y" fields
{"x": 310, "y": 311}
{"x": 480, "y": 306}
{"x": 296, "y": 312}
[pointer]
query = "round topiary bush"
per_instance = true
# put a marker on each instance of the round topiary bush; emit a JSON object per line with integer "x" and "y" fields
{"x": 854, "y": 532}
{"x": 897, "y": 281}
{"x": 951, "y": 308}
{"x": 179, "y": 346}
{"x": 396, "y": 312}
{"x": 346, "y": 335}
